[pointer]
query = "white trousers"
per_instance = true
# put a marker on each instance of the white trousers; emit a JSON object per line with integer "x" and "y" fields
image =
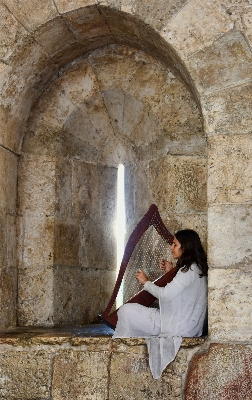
{"x": 135, "y": 320}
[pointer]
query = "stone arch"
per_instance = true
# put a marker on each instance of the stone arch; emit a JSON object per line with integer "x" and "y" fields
{"x": 44, "y": 49}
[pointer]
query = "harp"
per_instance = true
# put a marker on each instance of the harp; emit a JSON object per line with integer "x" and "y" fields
{"x": 148, "y": 243}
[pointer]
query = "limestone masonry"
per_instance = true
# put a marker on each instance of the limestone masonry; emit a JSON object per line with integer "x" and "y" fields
{"x": 163, "y": 87}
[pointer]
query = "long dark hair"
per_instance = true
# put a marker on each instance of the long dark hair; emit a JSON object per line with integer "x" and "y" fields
{"x": 192, "y": 251}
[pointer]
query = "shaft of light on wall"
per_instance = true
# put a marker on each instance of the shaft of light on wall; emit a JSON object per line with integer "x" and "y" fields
{"x": 120, "y": 225}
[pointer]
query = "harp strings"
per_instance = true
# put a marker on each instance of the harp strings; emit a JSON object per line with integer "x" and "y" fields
{"x": 146, "y": 255}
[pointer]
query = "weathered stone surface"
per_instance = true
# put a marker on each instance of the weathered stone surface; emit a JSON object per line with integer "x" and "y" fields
{"x": 229, "y": 111}
{"x": 63, "y": 188}
{"x": 229, "y": 235}
{"x": 130, "y": 376}
{"x": 10, "y": 136}
{"x": 82, "y": 375}
{"x": 230, "y": 169}
{"x": 69, "y": 5}
{"x": 30, "y": 69}
{"x": 54, "y": 36}
{"x": 141, "y": 95}
{"x": 157, "y": 14}
{"x": 70, "y": 363}
{"x": 7, "y": 241}
{"x": 80, "y": 294}
{"x": 67, "y": 242}
{"x": 69, "y": 91}
{"x": 11, "y": 33}
{"x": 247, "y": 25}
{"x": 229, "y": 305}
{"x": 90, "y": 125}
{"x": 35, "y": 302}
{"x": 32, "y": 14}
{"x": 36, "y": 180}
{"x": 197, "y": 221}
{"x": 179, "y": 183}
{"x": 94, "y": 202}
{"x": 114, "y": 66}
{"x": 25, "y": 375}
{"x": 36, "y": 240}
{"x": 8, "y": 180}
{"x": 231, "y": 55}
{"x": 222, "y": 373}
{"x": 86, "y": 23}
{"x": 192, "y": 28}
{"x": 8, "y": 295}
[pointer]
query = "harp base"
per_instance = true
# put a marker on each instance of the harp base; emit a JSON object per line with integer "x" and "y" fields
{"x": 104, "y": 321}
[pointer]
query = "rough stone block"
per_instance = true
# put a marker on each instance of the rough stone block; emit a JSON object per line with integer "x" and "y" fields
{"x": 130, "y": 376}
{"x": 192, "y": 28}
{"x": 31, "y": 15}
{"x": 247, "y": 25}
{"x": 231, "y": 55}
{"x": 8, "y": 180}
{"x": 90, "y": 123}
{"x": 67, "y": 242}
{"x": 157, "y": 13}
{"x": 86, "y": 23}
{"x": 7, "y": 241}
{"x": 44, "y": 139}
{"x": 80, "y": 375}
{"x": 221, "y": 373}
{"x": 229, "y": 305}
{"x": 63, "y": 188}
{"x": 11, "y": 33}
{"x": 69, "y": 91}
{"x": 32, "y": 68}
{"x": 64, "y": 6}
{"x": 35, "y": 296}
{"x": 114, "y": 67}
{"x": 228, "y": 111}
{"x": 229, "y": 235}
{"x": 178, "y": 184}
{"x": 80, "y": 294}
{"x": 230, "y": 169}
{"x": 36, "y": 183}
{"x": 196, "y": 221}
{"x": 25, "y": 375}
{"x": 54, "y": 36}
{"x": 36, "y": 240}
{"x": 8, "y": 295}
{"x": 10, "y": 136}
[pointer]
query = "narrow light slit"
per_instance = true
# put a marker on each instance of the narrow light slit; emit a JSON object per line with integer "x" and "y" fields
{"x": 120, "y": 226}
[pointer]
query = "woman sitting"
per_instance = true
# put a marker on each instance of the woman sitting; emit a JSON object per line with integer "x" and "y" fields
{"x": 183, "y": 304}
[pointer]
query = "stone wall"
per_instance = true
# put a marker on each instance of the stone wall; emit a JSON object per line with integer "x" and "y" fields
{"x": 206, "y": 46}
{"x": 71, "y": 365}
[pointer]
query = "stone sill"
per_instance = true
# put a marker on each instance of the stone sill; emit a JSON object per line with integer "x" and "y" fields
{"x": 75, "y": 336}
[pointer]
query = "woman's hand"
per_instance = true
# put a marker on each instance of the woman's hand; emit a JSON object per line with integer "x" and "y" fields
{"x": 165, "y": 265}
{"x": 141, "y": 276}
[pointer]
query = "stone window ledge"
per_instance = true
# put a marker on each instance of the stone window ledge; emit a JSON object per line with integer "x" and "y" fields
{"x": 75, "y": 336}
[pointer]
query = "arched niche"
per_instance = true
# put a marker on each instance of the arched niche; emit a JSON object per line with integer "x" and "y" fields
{"x": 67, "y": 175}
{"x": 114, "y": 105}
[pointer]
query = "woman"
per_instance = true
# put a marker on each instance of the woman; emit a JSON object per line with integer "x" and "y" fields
{"x": 183, "y": 304}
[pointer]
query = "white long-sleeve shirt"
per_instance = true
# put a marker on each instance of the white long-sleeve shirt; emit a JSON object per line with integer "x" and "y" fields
{"x": 183, "y": 303}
